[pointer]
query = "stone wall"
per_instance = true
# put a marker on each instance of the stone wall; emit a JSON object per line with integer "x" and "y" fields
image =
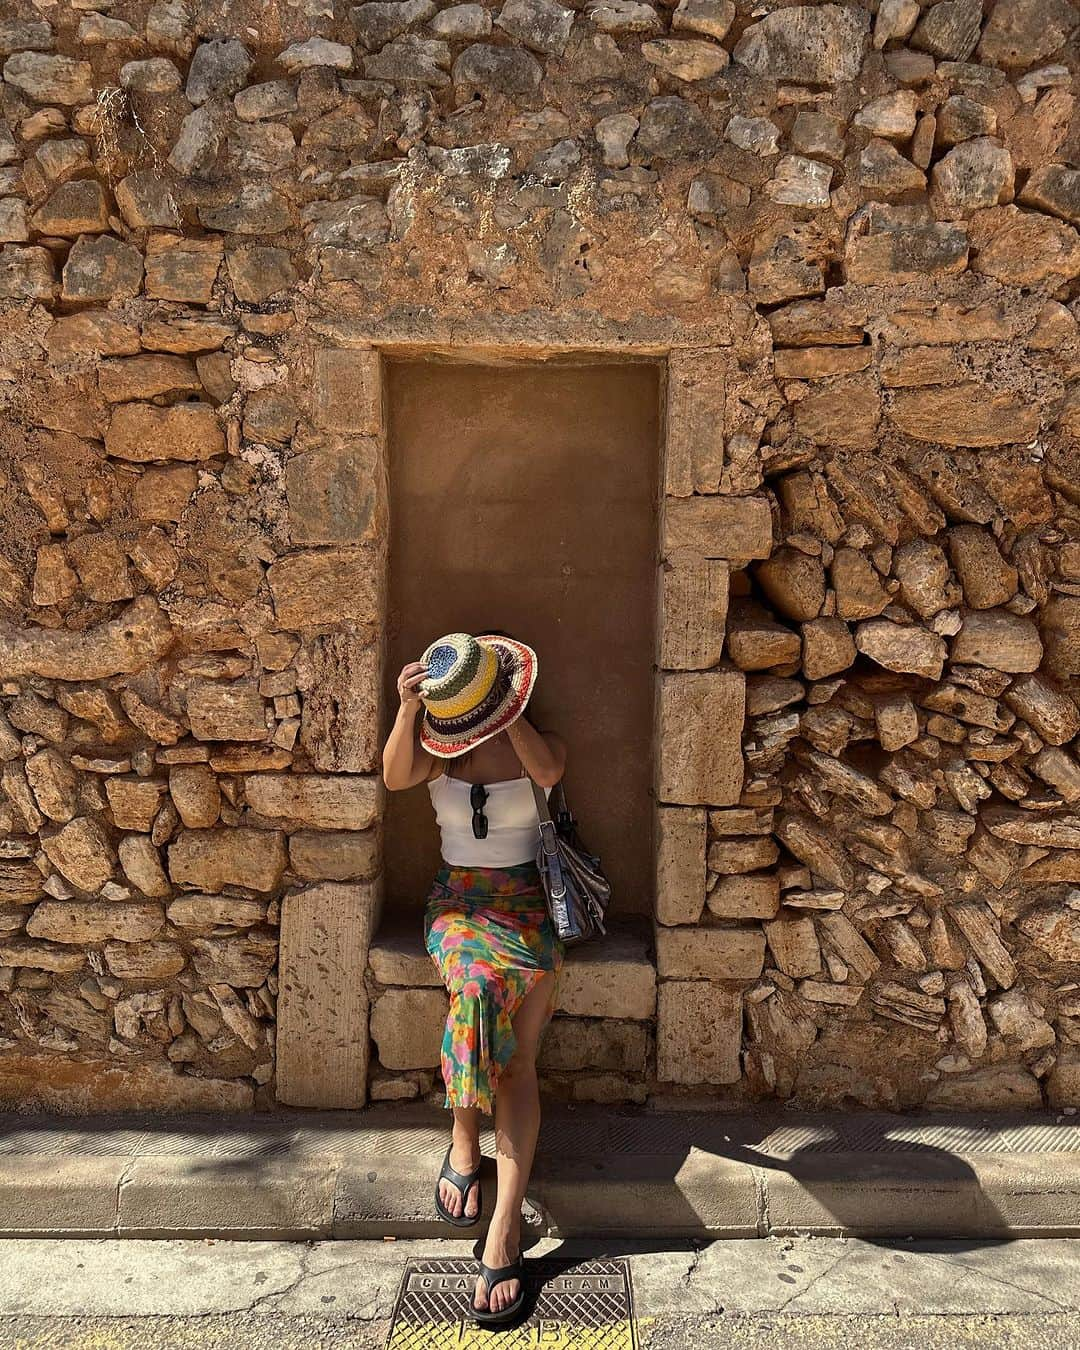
{"x": 849, "y": 231}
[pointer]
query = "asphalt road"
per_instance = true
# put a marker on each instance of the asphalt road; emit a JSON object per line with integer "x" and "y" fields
{"x": 244, "y": 1332}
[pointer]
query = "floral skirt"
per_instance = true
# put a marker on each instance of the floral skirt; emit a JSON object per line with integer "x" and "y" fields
{"x": 490, "y": 936}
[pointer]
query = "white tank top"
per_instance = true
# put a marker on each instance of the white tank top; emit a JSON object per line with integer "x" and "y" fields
{"x": 513, "y": 825}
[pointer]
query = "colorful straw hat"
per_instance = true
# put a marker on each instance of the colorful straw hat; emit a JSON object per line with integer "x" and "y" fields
{"x": 474, "y": 688}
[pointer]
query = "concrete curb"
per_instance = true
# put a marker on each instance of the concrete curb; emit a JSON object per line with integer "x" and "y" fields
{"x": 637, "y": 1195}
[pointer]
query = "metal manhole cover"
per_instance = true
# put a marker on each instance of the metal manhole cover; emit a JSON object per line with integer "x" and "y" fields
{"x": 569, "y": 1305}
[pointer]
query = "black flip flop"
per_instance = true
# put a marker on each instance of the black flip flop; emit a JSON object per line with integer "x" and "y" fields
{"x": 494, "y": 1275}
{"x": 464, "y": 1182}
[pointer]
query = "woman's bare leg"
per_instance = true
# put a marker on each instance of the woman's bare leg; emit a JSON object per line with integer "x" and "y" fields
{"x": 517, "y": 1124}
{"x": 464, "y": 1157}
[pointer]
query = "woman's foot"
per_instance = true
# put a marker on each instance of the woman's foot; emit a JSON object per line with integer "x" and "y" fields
{"x": 464, "y": 1158}
{"x": 502, "y": 1246}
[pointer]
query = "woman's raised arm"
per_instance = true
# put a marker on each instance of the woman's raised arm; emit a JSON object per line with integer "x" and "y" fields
{"x": 405, "y": 762}
{"x": 543, "y": 755}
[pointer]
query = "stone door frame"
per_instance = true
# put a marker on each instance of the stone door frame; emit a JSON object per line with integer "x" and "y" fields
{"x": 347, "y": 392}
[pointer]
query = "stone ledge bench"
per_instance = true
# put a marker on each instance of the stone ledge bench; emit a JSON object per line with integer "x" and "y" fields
{"x": 596, "y": 1048}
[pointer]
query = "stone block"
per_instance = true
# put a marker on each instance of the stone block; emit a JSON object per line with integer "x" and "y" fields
{"x": 102, "y": 567}
{"x": 179, "y": 268}
{"x": 256, "y": 209}
{"x": 92, "y": 921}
{"x": 613, "y": 978}
{"x": 258, "y": 272}
{"x": 195, "y": 794}
{"x": 794, "y": 945}
{"x": 145, "y": 200}
{"x": 27, "y": 273}
{"x": 1022, "y": 248}
{"x": 1060, "y": 623}
{"x": 694, "y": 443}
{"x": 997, "y": 1087}
{"x": 322, "y": 1041}
{"x": 901, "y": 647}
{"x": 334, "y": 855}
{"x": 208, "y": 911}
{"x": 51, "y": 79}
{"x": 700, "y": 738}
{"x": 334, "y": 492}
{"x": 407, "y": 1027}
{"x": 848, "y": 943}
{"x": 93, "y": 332}
{"x": 321, "y": 801}
{"x": 732, "y": 855}
{"x": 339, "y": 677}
{"x": 82, "y": 852}
{"x": 270, "y": 416}
{"x": 398, "y": 955}
{"x": 23, "y": 955}
{"x": 806, "y": 45}
{"x": 346, "y": 393}
{"x": 999, "y": 639}
{"x": 570, "y": 1044}
{"x": 210, "y": 860}
{"x": 54, "y": 784}
{"x": 845, "y": 412}
{"x": 144, "y": 960}
{"x": 1052, "y": 928}
{"x": 606, "y": 1087}
{"x": 720, "y": 953}
{"x": 141, "y": 863}
{"x": 897, "y": 247}
{"x": 198, "y": 335}
{"x": 680, "y": 864}
{"x": 328, "y": 587}
{"x": 45, "y": 1083}
{"x": 754, "y": 895}
{"x": 147, "y": 377}
{"x": 1044, "y": 706}
{"x": 162, "y": 494}
{"x": 226, "y": 712}
{"x": 743, "y": 819}
{"x": 969, "y": 414}
{"x": 698, "y": 1033}
{"x": 1054, "y": 188}
{"x": 482, "y": 66}
{"x": 140, "y": 432}
{"x": 243, "y": 962}
{"x": 828, "y": 648}
{"x": 736, "y": 528}
{"x": 1063, "y": 1081}
{"x": 74, "y": 208}
{"x": 793, "y": 583}
{"x": 693, "y": 612}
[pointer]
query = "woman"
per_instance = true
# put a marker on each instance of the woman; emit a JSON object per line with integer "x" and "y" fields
{"x": 486, "y": 924}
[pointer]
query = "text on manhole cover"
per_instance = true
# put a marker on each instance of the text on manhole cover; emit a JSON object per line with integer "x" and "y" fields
{"x": 569, "y": 1305}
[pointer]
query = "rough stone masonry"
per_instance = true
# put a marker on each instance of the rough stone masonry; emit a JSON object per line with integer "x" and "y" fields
{"x": 849, "y": 229}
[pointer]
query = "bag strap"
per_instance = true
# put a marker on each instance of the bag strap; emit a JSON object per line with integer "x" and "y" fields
{"x": 549, "y": 842}
{"x": 542, "y": 808}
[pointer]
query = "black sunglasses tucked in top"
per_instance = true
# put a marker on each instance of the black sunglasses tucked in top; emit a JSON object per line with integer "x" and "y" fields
{"x": 477, "y": 797}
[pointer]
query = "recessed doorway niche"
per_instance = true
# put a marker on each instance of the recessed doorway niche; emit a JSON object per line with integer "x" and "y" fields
{"x": 524, "y": 498}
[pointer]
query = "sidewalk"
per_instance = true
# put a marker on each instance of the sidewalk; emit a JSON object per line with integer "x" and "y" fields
{"x": 600, "y": 1172}
{"x": 777, "y": 1294}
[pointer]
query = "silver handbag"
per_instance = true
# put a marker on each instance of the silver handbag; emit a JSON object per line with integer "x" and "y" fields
{"x": 575, "y": 886}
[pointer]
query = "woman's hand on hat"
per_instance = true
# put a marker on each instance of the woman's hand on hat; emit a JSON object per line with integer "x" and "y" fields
{"x": 412, "y": 673}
